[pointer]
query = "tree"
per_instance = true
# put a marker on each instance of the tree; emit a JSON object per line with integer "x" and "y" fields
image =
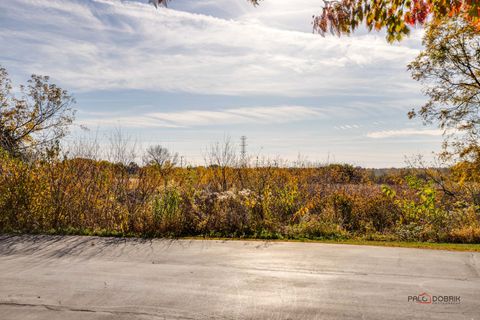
{"x": 35, "y": 121}
{"x": 222, "y": 156}
{"x": 162, "y": 159}
{"x": 449, "y": 70}
{"x": 396, "y": 16}
{"x": 122, "y": 148}
{"x": 160, "y": 156}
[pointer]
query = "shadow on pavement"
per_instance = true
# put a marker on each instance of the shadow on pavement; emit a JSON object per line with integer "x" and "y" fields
{"x": 56, "y": 246}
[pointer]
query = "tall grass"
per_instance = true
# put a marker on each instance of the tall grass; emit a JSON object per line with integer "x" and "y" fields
{"x": 85, "y": 196}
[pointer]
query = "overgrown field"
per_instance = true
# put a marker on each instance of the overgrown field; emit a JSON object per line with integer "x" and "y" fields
{"x": 81, "y": 196}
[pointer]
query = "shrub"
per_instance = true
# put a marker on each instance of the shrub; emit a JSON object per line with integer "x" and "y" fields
{"x": 97, "y": 197}
{"x": 167, "y": 215}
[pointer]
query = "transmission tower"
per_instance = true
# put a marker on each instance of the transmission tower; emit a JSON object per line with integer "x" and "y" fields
{"x": 243, "y": 150}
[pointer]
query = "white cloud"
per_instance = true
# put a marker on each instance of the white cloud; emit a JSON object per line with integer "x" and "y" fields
{"x": 226, "y": 54}
{"x": 111, "y": 44}
{"x": 407, "y": 132}
{"x": 191, "y": 118}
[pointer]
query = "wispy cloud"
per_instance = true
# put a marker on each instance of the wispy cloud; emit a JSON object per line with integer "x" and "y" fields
{"x": 112, "y": 44}
{"x": 217, "y": 66}
{"x": 347, "y": 127}
{"x": 407, "y": 132}
{"x": 192, "y": 118}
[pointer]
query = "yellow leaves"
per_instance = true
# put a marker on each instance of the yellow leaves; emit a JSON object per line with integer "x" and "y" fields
{"x": 344, "y": 16}
{"x": 42, "y": 108}
{"x": 89, "y": 196}
{"x": 302, "y": 212}
{"x": 476, "y": 23}
{"x": 251, "y": 202}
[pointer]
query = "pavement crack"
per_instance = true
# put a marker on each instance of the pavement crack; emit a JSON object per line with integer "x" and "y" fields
{"x": 62, "y": 308}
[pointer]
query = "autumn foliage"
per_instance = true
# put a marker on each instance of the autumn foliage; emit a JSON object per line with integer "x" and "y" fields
{"x": 84, "y": 196}
{"x": 396, "y": 17}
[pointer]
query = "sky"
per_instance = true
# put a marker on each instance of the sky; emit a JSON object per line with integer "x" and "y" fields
{"x": 202, "y": 70}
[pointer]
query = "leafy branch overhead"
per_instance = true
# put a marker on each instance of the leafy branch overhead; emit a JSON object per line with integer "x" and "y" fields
{"x": 343, "y": 17}
{"x": 395, "y": 16}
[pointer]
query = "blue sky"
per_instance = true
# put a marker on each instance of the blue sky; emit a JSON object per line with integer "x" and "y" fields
{"x": 200, "y": 70}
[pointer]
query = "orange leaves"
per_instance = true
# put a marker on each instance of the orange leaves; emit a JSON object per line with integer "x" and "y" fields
{"x": 476, "y": 24}
{"x": 418, "y": 12}
{"x": 344, "y": 16}
{"x": 472, "y": 13}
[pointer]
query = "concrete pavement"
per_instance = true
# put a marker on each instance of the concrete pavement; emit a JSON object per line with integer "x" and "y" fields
{"x": 54, "y": 277}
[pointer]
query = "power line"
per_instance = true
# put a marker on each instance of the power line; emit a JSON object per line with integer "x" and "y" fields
{"x": 243, "y": 152}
